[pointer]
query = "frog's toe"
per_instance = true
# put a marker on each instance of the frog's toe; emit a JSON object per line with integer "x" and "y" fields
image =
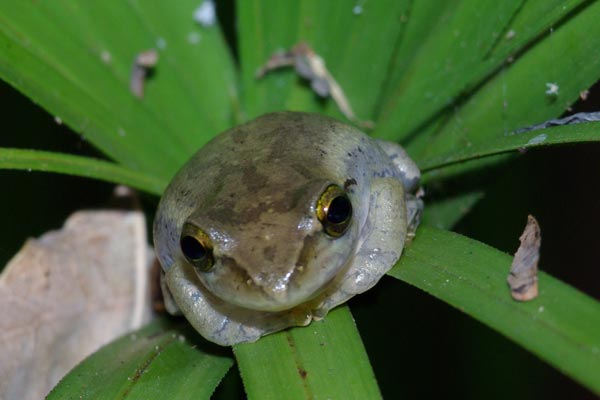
{"x": 170, "y": 304}
{"x": 414, "y": 210}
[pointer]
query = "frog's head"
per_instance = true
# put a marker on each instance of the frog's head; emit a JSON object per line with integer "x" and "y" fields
{"x": 277, "y": 247}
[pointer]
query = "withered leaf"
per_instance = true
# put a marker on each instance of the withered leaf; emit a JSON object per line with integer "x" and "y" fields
{"x": 522, "y": 278}
{"x": 69, "y": 292}
{"x": 311, "y": 66}
{"x": 143, "y": 63}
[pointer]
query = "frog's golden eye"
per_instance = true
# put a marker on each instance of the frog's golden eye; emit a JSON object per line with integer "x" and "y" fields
{"x": 334, "y": 210}
{"x": 196, "y": 247}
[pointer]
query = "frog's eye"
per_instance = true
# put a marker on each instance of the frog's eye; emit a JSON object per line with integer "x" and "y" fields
{"x": 196, "y": 247}
{"x": 334, "y": 210}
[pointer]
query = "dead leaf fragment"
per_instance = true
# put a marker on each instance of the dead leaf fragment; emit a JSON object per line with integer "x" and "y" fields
{"x": 523, "y": 272}
{"x": 69, "y": 292}
{"x": 143, "y": 63}
{"x": 310, "y": 66}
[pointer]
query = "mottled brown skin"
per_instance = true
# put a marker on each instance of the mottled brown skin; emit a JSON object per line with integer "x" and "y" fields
{"x": 253, "y": 190}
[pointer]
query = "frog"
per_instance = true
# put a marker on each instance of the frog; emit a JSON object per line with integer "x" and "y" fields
{"x": 275, "y": 222}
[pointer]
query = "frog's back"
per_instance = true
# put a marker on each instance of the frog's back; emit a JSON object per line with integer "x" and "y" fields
{"x": 290, "y": 137}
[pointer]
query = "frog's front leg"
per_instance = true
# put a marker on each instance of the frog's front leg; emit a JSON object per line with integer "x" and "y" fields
{"x": 409, "y": 171}
{"x": 382, "y": 239}
{"x": 414, "y": 209}
{"x": 168, "y": 299}
{"x": 410, "y": 175}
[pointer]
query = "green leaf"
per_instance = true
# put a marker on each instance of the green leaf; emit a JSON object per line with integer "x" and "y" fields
{"x": 73, "y": 59}
{"x": 561, "y": 325}
{"x": 323, "y": 360}
{"x": 517, "y": 96}
{"x": 162, "y": 360}
{"x": 445, "y": 213}
{"x": 533, "y": 21}
{"x": 576, "y": 133}
{"x": 449, "y": 50}
{"x": 436, "y": 59}
{"x": 492, "y": 152}
{"x": 35, "y": 160}
{"x": 357, "y": 49}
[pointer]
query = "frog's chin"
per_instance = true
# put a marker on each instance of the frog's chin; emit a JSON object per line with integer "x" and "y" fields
{"x": 287, "y": 296}
{"x": 271, "y": 301}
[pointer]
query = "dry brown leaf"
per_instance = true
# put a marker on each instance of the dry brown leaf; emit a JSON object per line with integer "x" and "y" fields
{"x": 310, "y": 66}
{"x": 523, "y": 272}
{"x": 69, "y": 292}
{"x": 143, "y": 63}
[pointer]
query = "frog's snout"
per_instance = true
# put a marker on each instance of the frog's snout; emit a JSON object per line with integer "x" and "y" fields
{"x": 278, "y": 292}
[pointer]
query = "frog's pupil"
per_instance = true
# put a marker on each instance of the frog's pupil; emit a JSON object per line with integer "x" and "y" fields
{"x": 192, "y": 248}
{"x": 339, "y": 210}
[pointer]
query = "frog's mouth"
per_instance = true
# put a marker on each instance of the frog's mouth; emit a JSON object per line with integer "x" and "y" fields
{"x": 318, "y": 263}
